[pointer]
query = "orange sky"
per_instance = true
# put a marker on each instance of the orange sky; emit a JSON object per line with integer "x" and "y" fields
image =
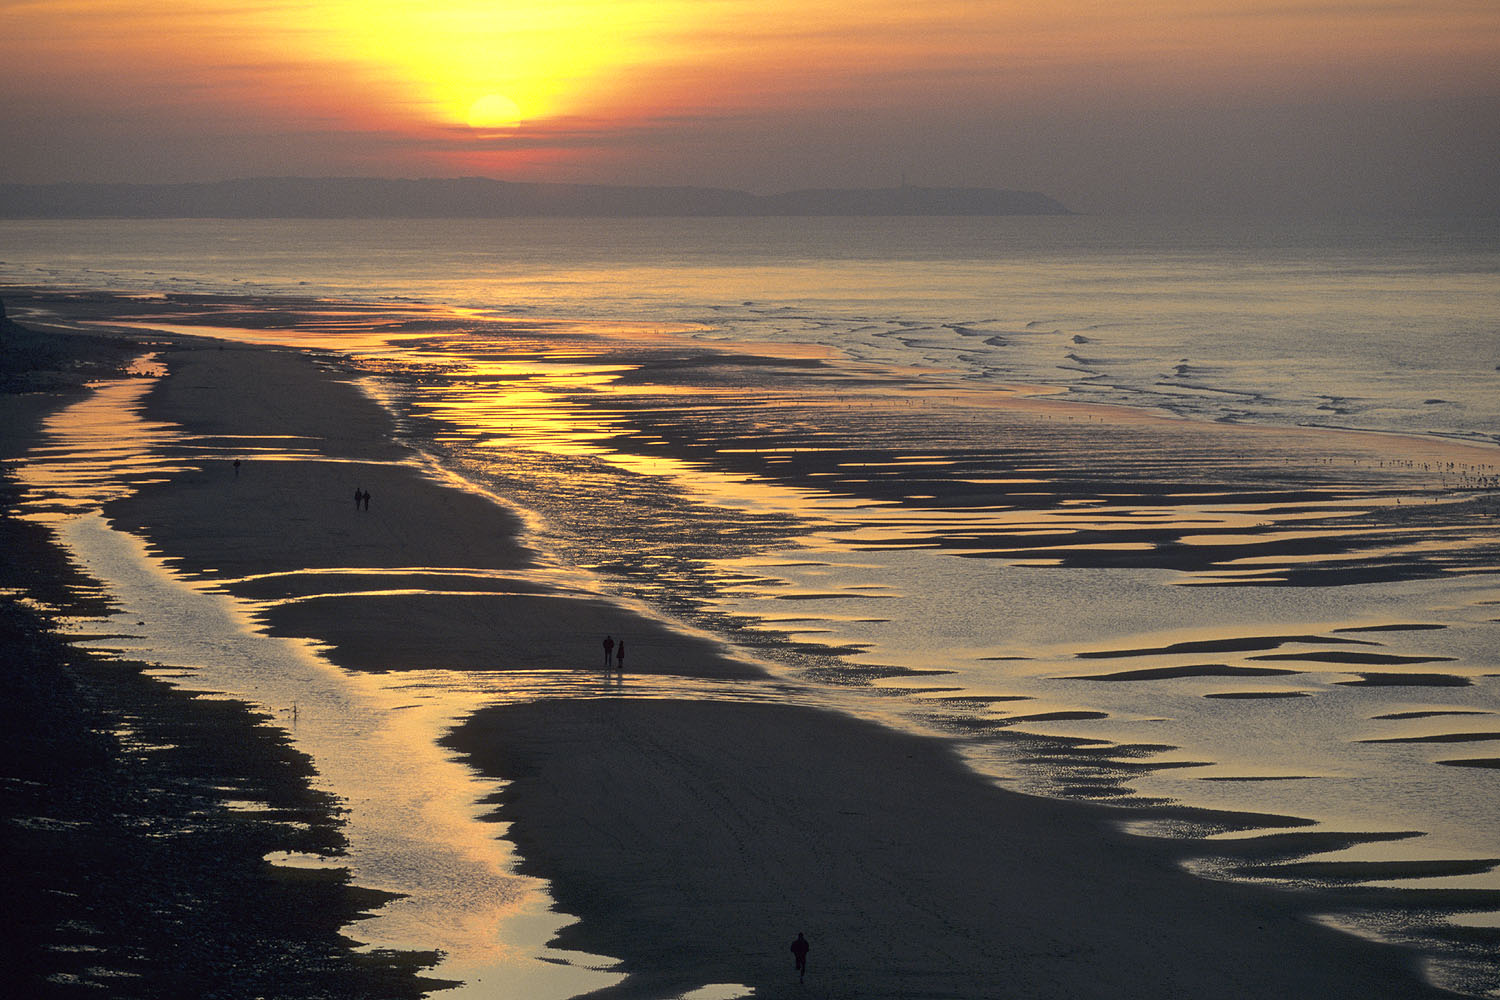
{"x": 698, "y": 91}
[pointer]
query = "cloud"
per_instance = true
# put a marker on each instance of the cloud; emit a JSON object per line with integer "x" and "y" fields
{"x": 1157, "y": 105}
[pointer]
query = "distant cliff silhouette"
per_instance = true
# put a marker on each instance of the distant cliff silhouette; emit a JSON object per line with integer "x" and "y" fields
{"x": 477, "y": 197}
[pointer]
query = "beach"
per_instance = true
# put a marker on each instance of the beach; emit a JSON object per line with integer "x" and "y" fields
{"x": 692, "y": 839}
{"x": 137, "y": 814}
{"x": 696, "y": 839}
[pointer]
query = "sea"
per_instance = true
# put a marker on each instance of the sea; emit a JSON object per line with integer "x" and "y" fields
{"x": 1145, "y": 511}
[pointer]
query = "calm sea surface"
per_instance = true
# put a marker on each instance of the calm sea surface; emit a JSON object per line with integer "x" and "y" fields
{"x": 1388, "y": 324}
{"x": 1165, "y": 602}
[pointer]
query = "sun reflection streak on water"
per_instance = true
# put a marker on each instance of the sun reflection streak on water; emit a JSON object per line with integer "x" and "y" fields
{"x": 979, "y": 646}
{"x": 859, "y": 536}
{"x": 414, "y": 825}
{"x": 88, "y": 459}
{"x": 413, "y": 822}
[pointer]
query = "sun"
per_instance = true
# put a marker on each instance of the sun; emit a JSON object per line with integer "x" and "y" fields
{"x": 494, "y": 111}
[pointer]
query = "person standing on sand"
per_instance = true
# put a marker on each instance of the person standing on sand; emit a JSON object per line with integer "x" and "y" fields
{"x": 800, "y": 948}
{"x": 620, "y": 656}
{"x": 359, "y": 497}
{"x": 609, "y": 648}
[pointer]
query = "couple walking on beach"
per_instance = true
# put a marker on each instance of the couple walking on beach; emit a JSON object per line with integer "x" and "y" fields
{"x": 618, "y": 649}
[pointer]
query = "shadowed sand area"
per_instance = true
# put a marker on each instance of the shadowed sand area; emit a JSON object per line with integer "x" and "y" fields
{"x": 693, "y": 839}
{"x": 257, "y": 532}
{"x": 137, "y": 817}
{"x": 1196, "y": 670}
{"x": 690, "y": 836}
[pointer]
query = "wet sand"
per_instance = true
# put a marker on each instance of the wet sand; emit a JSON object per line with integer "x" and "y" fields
{"x": 694, "y": 839}
{"x": 136, "y": 816}
{"x": 257, "y": 532}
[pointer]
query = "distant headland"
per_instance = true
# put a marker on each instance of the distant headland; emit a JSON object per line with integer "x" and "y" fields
{"x": 478, "y": 197}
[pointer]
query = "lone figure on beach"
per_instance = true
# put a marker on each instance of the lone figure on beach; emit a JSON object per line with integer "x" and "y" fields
{"x": 799, "y": 952}
{"x": 609, "y": 648}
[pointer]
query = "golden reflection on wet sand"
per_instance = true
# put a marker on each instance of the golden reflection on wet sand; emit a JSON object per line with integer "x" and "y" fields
{"x": 414, "y": 824}
{"x": 1147, "y": 730}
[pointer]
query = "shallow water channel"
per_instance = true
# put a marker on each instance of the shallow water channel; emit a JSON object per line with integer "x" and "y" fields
{"x": 1304, "y": 744}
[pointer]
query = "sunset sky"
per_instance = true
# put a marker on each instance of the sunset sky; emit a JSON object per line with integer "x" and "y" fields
{"x": 1214, "y": 105}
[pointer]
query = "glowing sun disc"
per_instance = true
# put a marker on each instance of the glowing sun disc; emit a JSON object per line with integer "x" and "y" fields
{"x": 494, "y": 111}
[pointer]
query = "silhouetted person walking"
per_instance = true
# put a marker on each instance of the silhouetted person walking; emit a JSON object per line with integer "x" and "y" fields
{"x": 620, "y": 655}
{"x": 359, "y": 497}
{"x": 609, "y": 649}
{"x": 799, "y": 952}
